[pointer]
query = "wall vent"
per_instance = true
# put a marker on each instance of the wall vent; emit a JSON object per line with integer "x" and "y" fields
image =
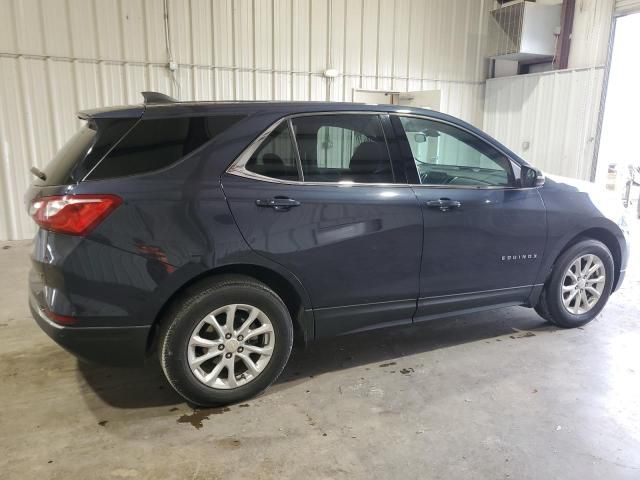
{"x": 524, "y": 31}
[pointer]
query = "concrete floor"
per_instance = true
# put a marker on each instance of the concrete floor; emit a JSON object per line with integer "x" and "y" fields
{"x": 493, "y": 395}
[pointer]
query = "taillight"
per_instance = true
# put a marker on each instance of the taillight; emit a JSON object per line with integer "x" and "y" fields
{"x": 72, "y": 214}
{"x": 60, "y": 319}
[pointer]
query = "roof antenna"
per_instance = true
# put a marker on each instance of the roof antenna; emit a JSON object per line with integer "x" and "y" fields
{"x": 156, "y": 97}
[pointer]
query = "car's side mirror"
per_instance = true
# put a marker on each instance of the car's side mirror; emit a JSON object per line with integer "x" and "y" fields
{"x": 531, "y": 177}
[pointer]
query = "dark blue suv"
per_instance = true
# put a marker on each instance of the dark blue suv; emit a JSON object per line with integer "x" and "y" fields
{"x": 213, "y": 234}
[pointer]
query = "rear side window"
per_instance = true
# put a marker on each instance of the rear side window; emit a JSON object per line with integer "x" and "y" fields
{"x": 276, "y": 157}
{"x": 157, "y": 143}
{"x": 341, "y": 148}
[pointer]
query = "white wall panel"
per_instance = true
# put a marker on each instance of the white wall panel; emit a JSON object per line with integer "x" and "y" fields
{"x": 61, "y": 56}
{"x": 555, "y": 113}
{"x": 624, "y": 7}
{"x": 590, "y": 34}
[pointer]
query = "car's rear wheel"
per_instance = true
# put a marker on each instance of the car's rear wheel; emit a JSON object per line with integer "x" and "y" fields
{"x": 579, "y": 286}
{"x": 225, "y": 341}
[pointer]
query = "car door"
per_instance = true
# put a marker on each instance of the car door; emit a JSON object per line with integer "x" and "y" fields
{"x": 320, "y": 196}
{"x": 484, "y": 237}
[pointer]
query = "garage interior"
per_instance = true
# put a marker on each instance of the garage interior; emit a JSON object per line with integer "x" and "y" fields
{"x": 499, "y": 394}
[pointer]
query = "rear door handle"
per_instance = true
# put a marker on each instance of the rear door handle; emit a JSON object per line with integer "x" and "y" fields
{"x": 279, "y": 204}
{"x": 444, "y": 204}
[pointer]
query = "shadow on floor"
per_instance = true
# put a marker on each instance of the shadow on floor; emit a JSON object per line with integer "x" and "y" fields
{"x": 147, "y": 387}
{"x": 129, "y": 388}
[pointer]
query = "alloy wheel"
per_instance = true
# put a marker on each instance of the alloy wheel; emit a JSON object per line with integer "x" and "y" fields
{"x": 583, "y": 284}
{"x": 231, "y": 346}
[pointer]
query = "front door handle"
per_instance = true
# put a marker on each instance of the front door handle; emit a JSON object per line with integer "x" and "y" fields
{"x": 280, "y": 204}
{"x": 444, "y": 204}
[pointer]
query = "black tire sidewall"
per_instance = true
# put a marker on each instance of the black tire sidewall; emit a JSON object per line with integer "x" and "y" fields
{"x": 174, "y": 345}
{"x": 553, "y": 296}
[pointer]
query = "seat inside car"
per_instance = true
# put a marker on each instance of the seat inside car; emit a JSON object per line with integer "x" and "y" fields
{"x": 370, "y": 164}
{"x": 273, "y": 161}
{"x": 272, "y": 165}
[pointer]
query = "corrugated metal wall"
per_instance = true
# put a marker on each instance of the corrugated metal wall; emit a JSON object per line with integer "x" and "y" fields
{"x": 550, "y": 119}
{"x": 60, "y": 56}
{"x": 590, "y": 33}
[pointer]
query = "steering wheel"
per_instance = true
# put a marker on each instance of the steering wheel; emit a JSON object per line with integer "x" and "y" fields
{"x": 450, "y": 180}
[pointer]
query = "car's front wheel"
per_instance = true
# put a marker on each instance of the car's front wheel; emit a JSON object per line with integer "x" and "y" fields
{"x": 225, "y": 341}
{"x": 579, "y": 286}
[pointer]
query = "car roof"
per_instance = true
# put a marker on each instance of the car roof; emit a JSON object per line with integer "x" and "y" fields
{"x": 160, "y": 106}
{"x": 177, "y": 109}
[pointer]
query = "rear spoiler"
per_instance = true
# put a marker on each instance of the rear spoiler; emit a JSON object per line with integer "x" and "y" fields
{"x": 127, "y": 111}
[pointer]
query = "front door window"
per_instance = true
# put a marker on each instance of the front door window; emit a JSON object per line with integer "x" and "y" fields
{"x": 446, "y": 155}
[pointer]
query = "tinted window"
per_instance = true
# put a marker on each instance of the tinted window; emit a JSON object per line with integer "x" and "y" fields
{"x": 343, "y": 148}
{"x": 447, "y": 155}
{"x": 58, "y": 170}
{"x": 276, "y": 157}
{"x": 110, "y": 131}
{"x": 157, "y": 143}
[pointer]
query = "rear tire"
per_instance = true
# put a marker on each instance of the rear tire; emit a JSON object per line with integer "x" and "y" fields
{"x": 213, "y": 353}
{"x": 579, "y": 286}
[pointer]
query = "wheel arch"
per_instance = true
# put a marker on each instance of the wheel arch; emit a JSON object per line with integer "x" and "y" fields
{"x": 290, "y": 291}
{"x": 597, "y": 233}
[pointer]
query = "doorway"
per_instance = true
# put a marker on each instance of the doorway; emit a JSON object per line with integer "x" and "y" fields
{"x": 618, "y": 164}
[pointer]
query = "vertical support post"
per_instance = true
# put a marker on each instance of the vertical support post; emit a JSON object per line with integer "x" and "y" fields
{"x": 564, "y": 40}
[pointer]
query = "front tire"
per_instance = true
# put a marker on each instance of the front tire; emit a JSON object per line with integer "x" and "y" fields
{"x": 579, "y": 286}
{"x": 225, "y": 341}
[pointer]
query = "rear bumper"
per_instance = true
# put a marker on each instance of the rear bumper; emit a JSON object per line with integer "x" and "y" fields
{"x": 116, "y": 346}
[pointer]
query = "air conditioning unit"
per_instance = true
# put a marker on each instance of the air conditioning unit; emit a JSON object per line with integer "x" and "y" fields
{"x": 524, "y": 31}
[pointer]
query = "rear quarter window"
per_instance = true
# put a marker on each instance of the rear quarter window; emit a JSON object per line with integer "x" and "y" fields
{"x": 58, "y": 170}
{"x": 157, "y": 143}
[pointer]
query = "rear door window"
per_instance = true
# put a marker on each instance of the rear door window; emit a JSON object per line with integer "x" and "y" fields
{"x": 343, "y": 148}
{"x": 157, "y": 143}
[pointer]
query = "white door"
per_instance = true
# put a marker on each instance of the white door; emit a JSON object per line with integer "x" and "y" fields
{"x": 424, "y": 99}
{"x": 378, "y": 97}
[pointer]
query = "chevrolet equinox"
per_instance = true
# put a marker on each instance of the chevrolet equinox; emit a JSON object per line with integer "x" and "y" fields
{"x": 212, "y": 234}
